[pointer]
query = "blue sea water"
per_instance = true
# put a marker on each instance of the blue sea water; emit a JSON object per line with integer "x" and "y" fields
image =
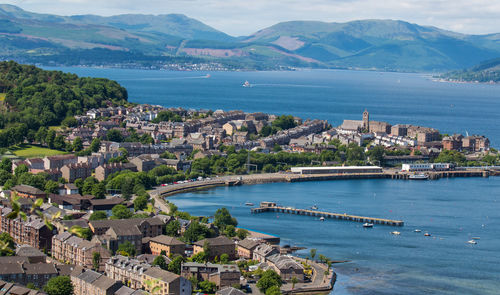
{"x": 452, "y": 210}
{"x": 323, "y": 94}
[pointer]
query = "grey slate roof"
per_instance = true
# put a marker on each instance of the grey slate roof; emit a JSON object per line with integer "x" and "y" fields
{"x": 218, "y": 241}
{"x": 229, "y": 291}
{"x": 166, "y": 240}
{"x": 161, "y": 274}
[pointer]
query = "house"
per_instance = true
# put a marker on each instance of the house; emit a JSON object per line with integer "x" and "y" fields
{"x": 144, "y": 163}
{"x": 263, "y": 251}
{"x": 124, "y": 290}
{"x": 68, "y": 189}
{"x": 57, "y": 162}
{"x": 72, "y": 172}
{"x": 28, "y": 191}
{"x": 24, "y": 272}
{"x": 246, "y": 247}
{"x": 90, "y": 282}
{"x": 170, "y": 245}
{"x": 10, "y": 288}
{"x": 35, "y": 164}
{"x": 127, "y": 270}
{"x": 106, "y": 204}
{"x": 221, "y": 274}
{"x": 34, "y": 255}
{"x": 72, "y": 202}
{"x": 286, "y": 267}
{"x": 178, "y": 165}
{"x": 217, "y": 246}
{"x": 168, "y": 283}
{"x": 229, "y": 291}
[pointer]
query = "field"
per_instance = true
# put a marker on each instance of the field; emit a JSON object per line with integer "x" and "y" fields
{"x": 32, "y": 151}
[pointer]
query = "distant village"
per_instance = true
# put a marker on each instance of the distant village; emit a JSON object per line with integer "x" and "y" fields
{"x": 111, "y": 242}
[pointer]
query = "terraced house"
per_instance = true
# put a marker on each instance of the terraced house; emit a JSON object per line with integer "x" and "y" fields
{"x": 74, "y": 250}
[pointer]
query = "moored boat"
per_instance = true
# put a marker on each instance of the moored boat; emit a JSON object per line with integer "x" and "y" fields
{"x": 418, "y": 177}
{"x": 427, "y": 234}
{"x": 368, "y": 225}
{"x": 417, "y": 230}
{"x": 395, "y": 233}
{"x": 473, "y": 242}
{"x": 321, "y": 218}
{"x": 249, "y": 204}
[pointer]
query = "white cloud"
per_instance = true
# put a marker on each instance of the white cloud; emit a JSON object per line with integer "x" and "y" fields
{"x": 243, "y": 17}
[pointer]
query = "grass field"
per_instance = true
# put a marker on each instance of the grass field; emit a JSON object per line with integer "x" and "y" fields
{"x": 32, "y": 151}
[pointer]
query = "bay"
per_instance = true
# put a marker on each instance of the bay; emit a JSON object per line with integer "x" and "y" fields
{"x": 322, "y": 94}
{"x": 451, "y": 210}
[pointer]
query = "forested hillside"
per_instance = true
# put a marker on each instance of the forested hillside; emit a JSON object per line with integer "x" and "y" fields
{"x": 35, "y": 98}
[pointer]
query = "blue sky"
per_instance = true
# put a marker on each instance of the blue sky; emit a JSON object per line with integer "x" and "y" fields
{"x": 243, "y": 17}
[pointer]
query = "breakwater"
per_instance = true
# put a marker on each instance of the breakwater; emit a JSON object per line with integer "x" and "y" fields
{"x": 272, "y": 207}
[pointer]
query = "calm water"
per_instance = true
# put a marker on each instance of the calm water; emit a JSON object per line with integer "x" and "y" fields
{"x": 451, "y": 210}
{"x": 331, "y": 95}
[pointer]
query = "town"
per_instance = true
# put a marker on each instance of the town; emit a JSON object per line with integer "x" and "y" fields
{"x": 91, "y": 219}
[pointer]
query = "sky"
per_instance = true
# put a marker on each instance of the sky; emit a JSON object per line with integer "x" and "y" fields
{"x": 244, "y": 17}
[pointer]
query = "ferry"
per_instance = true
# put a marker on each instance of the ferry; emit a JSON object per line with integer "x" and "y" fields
{"x": 368, "y": 225}
{"x": 249, "y": 204}
{"x": 247, "y": 84}
{"x": 418, "y": 177}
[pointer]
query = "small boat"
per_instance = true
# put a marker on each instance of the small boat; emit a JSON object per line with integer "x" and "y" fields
{"x": 427, "y": 234}
{"x": 321, "y": 218}
{"x": 473, "y": 242}
{"x": 368, "y": 225}
{"x": 417, "y": 230}
{"x": 314, "y": 207}
{"x": 395, "y": 233}
{"x": 418, "y": 177}
{"x": 476, "y": 238}
{"x": 249, "y": 204}
{"x": 247, "y": 84}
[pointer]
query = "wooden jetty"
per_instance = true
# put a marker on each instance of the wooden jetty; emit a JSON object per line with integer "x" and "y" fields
{"x": 273, "y": 207}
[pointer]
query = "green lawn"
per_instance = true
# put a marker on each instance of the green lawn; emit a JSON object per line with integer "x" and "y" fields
{"x": 32, "y": 151}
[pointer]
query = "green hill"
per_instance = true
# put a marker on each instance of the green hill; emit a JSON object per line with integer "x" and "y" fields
{"x": 486, "y": 72}
{"x": 155, "y": 40}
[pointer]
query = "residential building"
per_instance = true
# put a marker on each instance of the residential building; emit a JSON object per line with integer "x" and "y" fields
{"x": 453, "y": 142}
{"x": 90, "y": 282}
{"x": 263, "y": 251}
{"x": 127, "y": 270}
{"x": 170, "y": 245}
{"x": 68, "y": 189}
{"x": 33, "y": 232}
{"x": 286, "y": 267}
{"x": 10, "y": 288}
{"x": 34, "y": 255}
{"x": 71, "y": 202}
{"x": 168, "y": 282}
{"x": 72, "y": 172}
{"x": 222, "y": 275}
{"x": 108, "y": 204}
{"x": 57, "y": 162}
{"x": 144, "y": 163}
{"x": 103, "y": 171}
{"x": 229, "y": 291}
{"x": 75, "y": 250}
{"x": 28, "y": 191}
{"x": 24, "y": 272}
{"x": 246, "y": 247}
{"x": 217, "y": 246}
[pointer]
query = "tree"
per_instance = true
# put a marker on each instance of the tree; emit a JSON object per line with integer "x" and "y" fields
{"x": 277, "y": 148}
{"x": 6, "y": 165}
{"x": 222, "y": 218}
{"x": 51, "y": 187}
{"x": 377, "y": 155}
{"x": 121, "y": 212}
{"x": 77, "y": 144}
{"x": 273, "y": 290}
{"x": 268, "y": 279}
{"x": 160, "y": 262}
{"x": 242, "y": 233}
{"x": 69, "y": 122}
{"x": 313, "y": 253}
{"x": 175, "y": 265}
{"x": 207, "y": 287}
{"x": 196, "y": 232}
{"x": 96, "y": 260}
{"x": 126, "y": 249}
{"x": 114, "y": 135}
{"x": 31, "y": 286}
{"x": 172, "y": 229}
{"x": 140, "y": 203}
{"x": 294, "y": 282}
{"x": 59, "y": 286}
{"x": 21, "y": 169}
{"x": 99, "y": 190}
{"x": 224, "y": 258}
{"x": 7, "y": 245}
{"x": 230, "y": 231}
{"x": 95, "y": 145}
{"x": 98, "y": 215}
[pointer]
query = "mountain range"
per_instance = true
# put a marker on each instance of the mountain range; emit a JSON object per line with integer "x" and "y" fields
{"x": 148, "y": 40}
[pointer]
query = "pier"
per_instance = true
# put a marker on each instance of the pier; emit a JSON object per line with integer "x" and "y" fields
{"x": 273, "y": 207}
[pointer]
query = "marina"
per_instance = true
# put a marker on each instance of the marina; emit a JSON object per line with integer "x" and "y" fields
{"x": 273, "y": 207}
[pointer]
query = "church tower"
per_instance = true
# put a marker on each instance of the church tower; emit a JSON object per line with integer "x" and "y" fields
{"x": 366, "y": 120}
